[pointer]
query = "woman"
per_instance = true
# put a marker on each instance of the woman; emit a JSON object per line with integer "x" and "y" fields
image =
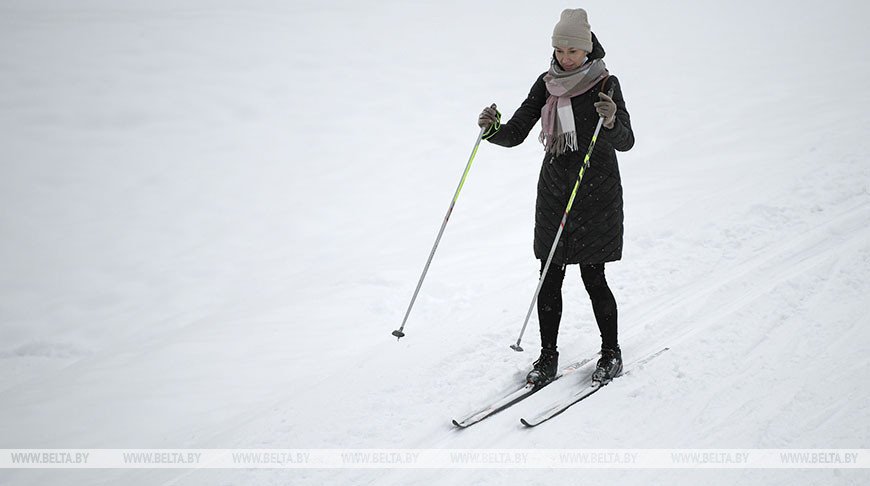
{"x": 569, "y": 99}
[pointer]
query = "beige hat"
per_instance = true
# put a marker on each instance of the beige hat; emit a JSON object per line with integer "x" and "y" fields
{"x": 573, "y": 30}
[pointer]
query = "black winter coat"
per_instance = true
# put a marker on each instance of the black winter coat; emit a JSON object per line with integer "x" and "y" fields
{"x": 594, "y": 228}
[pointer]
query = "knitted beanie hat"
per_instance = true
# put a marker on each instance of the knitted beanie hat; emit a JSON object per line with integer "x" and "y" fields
{"x": 573, "y": 30}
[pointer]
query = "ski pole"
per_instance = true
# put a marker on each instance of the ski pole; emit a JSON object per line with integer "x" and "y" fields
{"x": 517, "y": 347}
{"x": 399, "y": 332}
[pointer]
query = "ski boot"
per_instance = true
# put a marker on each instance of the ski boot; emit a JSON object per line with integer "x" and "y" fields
{"x": 609, "y": 366}
{"x": 544, "y": 369}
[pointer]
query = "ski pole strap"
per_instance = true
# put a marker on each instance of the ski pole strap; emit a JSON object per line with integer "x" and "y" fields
{"x": 604, "y": 82}
{"x": 493, "y": 129}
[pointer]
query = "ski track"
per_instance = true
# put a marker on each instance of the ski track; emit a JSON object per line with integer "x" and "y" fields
{"x": 191, "y": 259}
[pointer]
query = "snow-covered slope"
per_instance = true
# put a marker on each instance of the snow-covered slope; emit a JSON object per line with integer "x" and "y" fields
{"x": 214, "y": 214}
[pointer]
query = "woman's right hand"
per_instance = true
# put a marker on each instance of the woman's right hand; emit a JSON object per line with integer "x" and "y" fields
{"x": 489, "y": 117}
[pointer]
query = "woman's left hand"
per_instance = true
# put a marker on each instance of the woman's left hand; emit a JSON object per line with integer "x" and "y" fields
{"x": 607, "y": 109}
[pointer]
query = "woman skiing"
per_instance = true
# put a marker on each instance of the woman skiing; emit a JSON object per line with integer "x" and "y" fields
{"x": 569, "y": 99}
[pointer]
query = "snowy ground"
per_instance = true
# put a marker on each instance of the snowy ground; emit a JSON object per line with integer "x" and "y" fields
{"x": 213, "y": 214}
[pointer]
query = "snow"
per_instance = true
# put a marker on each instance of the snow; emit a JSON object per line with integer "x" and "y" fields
{"x": 215, "y": 213}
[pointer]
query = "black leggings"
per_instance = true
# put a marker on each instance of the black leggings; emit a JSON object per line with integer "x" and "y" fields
{"x": 603, "y": 304}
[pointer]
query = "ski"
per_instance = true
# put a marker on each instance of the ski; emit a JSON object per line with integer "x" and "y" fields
{"x": 515, "y": 396}
{"x": 560, "y": 406}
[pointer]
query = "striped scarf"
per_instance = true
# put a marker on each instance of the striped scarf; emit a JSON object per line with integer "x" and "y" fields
{"x": 559, "y": 134}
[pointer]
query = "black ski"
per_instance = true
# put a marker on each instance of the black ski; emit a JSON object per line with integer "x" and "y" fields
{"x": 562, "y": 405}
{"x": 515, "y": 397}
